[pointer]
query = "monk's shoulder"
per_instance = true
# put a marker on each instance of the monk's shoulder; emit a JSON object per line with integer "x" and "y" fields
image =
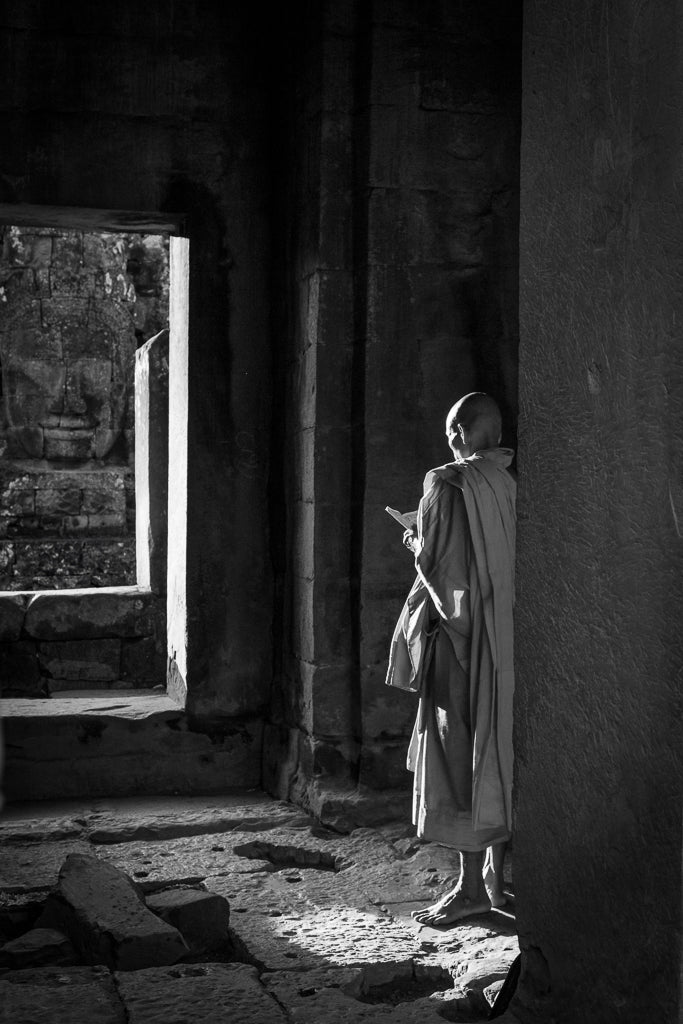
{"x": 443, "y": 487}
{"x": 442, "y": 477}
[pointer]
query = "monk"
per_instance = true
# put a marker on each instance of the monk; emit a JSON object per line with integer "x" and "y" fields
{"x": 453, "y": 645}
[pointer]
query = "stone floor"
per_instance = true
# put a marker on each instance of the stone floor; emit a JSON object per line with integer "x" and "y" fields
{"x": 320, "y": 927}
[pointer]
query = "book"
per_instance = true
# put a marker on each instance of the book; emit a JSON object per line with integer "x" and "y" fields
{"x": 407, "y": 519}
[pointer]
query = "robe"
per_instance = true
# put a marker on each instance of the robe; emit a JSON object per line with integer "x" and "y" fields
{"x": 453, "y": 644}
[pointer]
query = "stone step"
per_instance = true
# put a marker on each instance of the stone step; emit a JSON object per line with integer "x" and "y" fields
{"x": 121, "y": 744}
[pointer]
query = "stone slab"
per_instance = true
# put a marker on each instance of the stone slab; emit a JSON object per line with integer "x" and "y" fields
{"x": 79, "y": 995}
{"x": 76, "y": 660}
{"x": 330, "y": 995}
{"x": 107, "y": 920}
{"x": 201, "y": 993}
{"x": 201, "y": 917}
{"x": 33, "y": 866}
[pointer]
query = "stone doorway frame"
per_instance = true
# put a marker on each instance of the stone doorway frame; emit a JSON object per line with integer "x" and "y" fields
{"x": 172, "y": 225}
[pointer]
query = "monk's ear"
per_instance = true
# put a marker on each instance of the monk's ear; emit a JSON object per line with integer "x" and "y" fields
{"x": 461, "y": 431}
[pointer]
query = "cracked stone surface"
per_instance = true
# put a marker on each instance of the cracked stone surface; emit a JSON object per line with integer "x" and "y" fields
{"x": 319, "y": 928}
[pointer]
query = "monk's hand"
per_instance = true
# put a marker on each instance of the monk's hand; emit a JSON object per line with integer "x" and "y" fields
{"x": 410, "y": 539}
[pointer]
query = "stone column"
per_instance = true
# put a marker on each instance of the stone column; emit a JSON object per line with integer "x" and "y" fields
{"x": 600, "y": 596}
{"x": 439, "y": 280}
{"x": 151, "y": 461}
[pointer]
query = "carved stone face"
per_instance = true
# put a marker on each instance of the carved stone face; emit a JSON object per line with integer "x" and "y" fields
{"x": 65, "y": 383}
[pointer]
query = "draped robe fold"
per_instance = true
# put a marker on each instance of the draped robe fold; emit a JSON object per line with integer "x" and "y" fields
{"x": 453, "y": 643}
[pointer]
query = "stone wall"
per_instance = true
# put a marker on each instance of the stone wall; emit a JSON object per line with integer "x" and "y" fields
{"x": 66, "y": 527}
{"x": 399, "y": 239}
{"x": 58, "y": 643}
{"x": 600, "y": 504}
{"x": 72, "y": 305}
{"x": 163, "y": 107}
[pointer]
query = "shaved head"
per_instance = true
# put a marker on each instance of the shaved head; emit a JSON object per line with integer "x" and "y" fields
{"x": 478, "y": 419}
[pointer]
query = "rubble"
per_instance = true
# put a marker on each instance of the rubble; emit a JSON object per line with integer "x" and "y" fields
{"x": 107, "y": 920}
{"x": 269, "y": 916}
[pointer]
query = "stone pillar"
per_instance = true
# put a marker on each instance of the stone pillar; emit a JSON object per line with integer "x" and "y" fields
{"x": 315, "y": 711}
{"x": 439, "y": 280}
{"x": 151, "y": 461}
{"x": 600, "y": 591}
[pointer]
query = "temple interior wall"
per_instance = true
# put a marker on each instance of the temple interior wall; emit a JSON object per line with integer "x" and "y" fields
{"x": 348, "y": 176}
{"x": 599, "y": 576}
{"x": 398, "y": 292}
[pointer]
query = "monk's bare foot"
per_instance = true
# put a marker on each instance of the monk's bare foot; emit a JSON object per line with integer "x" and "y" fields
{"x": 494, "y": 890}
{"x": 452, "y": 907}
{"x": 493, "y": 875}
{"x": 498, "y": 899}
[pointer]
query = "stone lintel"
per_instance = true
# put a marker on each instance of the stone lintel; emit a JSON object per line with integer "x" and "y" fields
{"x": 78, "y": 218}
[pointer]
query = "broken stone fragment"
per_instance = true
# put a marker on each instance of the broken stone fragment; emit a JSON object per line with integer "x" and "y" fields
{"x": 201, "y": 917}
{"x": 106, "y": 919}
{"x": 37, "y": 948}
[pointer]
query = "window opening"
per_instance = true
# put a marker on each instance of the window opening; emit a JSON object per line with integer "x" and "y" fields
{"x": 74, "y": 306}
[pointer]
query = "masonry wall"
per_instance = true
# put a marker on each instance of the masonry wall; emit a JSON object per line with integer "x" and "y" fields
{"x": 399, "y": 239}
{"x": 598, "y": 808}
{"x": 163, "y": 108}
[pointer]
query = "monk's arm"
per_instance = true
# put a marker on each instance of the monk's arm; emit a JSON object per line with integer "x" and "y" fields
{"x": 442, "y": 545}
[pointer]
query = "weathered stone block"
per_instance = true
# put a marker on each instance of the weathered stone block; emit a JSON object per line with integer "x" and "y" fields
{"x": 107, "y": 920}
{"x": 327, "y": 699}
{"x": 12, "y": 611}
{"x": 383, "y": 765}
{"x": 16, "y": 502}
{"x": 80, "y": 614}
{"x": 331, "y": 759}
{"x": 78, "y": 660}
{"x": 57, "y": 501}
{"x": 332, "y": 619}
{"x": 140, "y": 662}
{"x": 201, "y": 917}
{"x": 386, "y": 712}
{"x": 64, "y": 444}
{"x": 64, "y": 479}
{"x": 36, "y": 948}
{"x": 108, "y": 523}
{"x": 79, "y": 995}
{"x": 211, "y": 993}
{"x": 19, "y": 671}
{"x": 76, "y": 524}
{"x": 421, "y": 226}
{"x": 105, "y": 500}
{"x": 332, "y": 538}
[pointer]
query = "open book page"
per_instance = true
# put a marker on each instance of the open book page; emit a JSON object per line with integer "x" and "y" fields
{"x": 406, "y": 519}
